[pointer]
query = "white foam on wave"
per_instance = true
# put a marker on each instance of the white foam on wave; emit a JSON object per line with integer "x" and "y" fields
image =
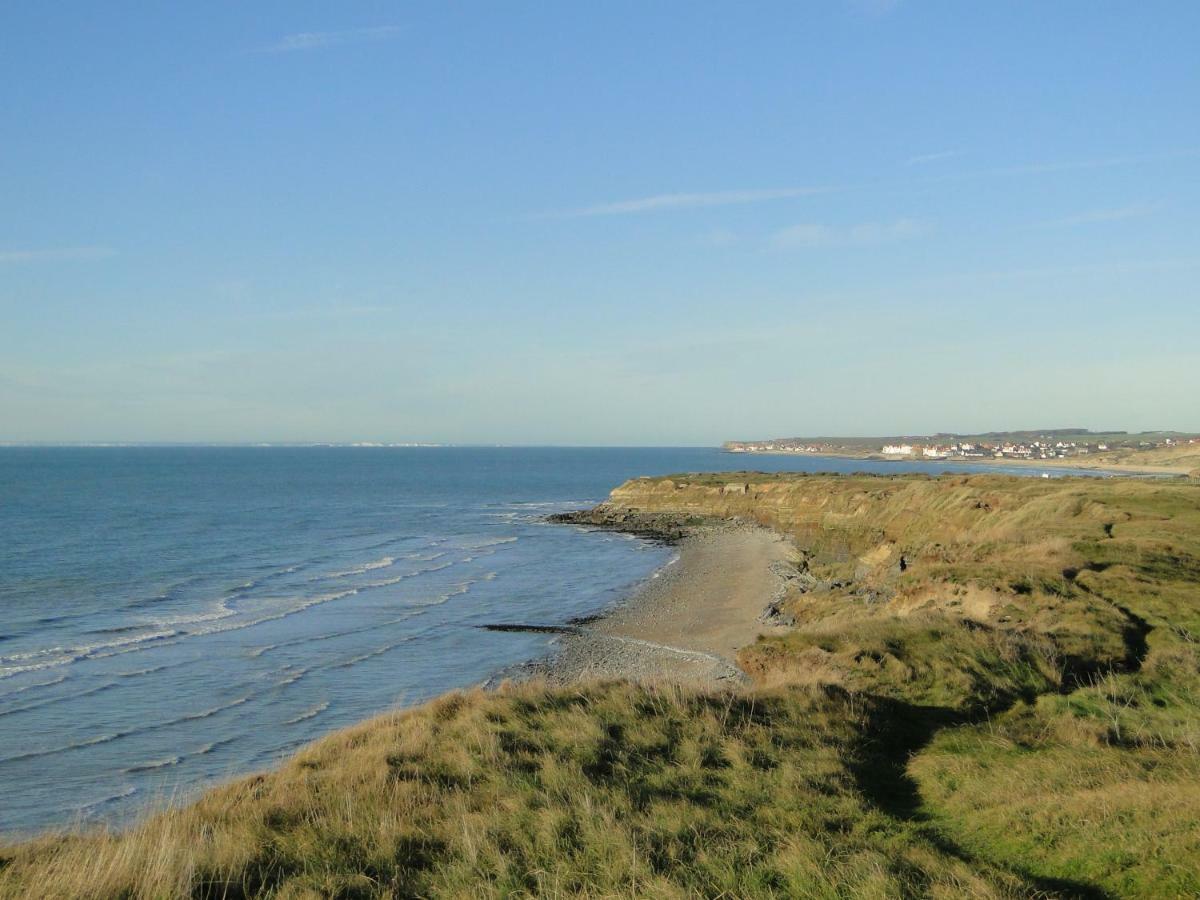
{"x": 309, "y": 713}
{"x": 383, "y": 563}
{"x": 171, "y": 629}
{"x": 494, "y": 542}
{"x": 292, "y": 677}
{"x": 104, "y": 801}
{"x": 459, "y": 590}
{"x": 222, "y": 610}
{"x": 426, "y": 557}
{"x": 153, "y": 764}
{"x": 50, "y": 657}
{"x": 205, "y": 749}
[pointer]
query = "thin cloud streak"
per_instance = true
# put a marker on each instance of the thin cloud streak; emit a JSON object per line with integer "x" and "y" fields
{"x": 669, "y": 202}
{"x": 930, "y": 157}
{"x": 61, "y": 254}
{"x": 865, "y": 234}
{"x": 315, "y": 40}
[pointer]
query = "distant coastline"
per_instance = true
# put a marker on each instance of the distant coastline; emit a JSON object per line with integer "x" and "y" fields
{"x": 1069, "y": 463}
{"x": 1158, "y": 453}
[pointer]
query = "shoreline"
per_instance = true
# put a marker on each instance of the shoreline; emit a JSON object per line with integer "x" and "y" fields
{"x": 1110, "y": 468}
{"x": 682, "y": 625}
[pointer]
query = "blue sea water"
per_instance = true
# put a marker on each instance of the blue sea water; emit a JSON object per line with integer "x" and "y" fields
{"x": 171, "y": 616}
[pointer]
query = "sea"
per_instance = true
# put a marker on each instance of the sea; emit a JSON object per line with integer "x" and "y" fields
{"x": 175, "y": 616}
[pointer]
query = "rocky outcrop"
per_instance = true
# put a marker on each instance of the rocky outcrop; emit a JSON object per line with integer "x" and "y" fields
{"x": 665, "y": 527}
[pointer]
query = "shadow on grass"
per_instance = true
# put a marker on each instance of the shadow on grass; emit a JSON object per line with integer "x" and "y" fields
{"x": 896, "y": 731}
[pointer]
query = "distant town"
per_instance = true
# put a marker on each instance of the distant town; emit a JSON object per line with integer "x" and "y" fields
{"x": 1053, "y": 444}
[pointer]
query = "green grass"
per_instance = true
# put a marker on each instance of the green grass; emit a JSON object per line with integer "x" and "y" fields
{"x": 608, "y": 790}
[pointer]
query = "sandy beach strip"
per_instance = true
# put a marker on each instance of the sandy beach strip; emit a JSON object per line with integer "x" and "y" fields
{"x": 686, "y": 623}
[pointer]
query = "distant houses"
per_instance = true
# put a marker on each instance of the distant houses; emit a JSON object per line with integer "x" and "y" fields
{"x": 1012, "y": 445}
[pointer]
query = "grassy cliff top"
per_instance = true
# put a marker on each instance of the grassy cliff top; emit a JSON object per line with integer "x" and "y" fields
{"x": 991, "y": 688}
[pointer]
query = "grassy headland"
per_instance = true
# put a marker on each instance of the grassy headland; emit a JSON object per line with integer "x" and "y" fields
{"x": 990, "y": 687}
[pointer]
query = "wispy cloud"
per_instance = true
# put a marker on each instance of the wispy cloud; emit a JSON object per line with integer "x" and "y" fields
{"x": 668, "y": 202}
{"x": 863, "y": 234}
{"x": 930, "y": 157}
{"x": 315, "y": 40}
{"x": 60, "y": 254}
{"x": 1100, "y": 216}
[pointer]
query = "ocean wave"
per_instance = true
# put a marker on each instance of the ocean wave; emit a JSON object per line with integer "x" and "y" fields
{"x": 425, "y": 557}
{"x": 161, "y": 639}
{"x": 149, "y": 670}
{"x": 308, "y": 713}
{"x": 117, "y": 735}
{"x": 53, "y": 701}
{"x": 363, "y": 657}
{"x": 30, "y": 687}
{"x": 76, "y": 745}
{"x": 331, "y": 635}
{"x": 117, "y": 629}
{"x": 292, "y": 677}
{"x": 205, "y": 749}
{"x": 51, "y": 657}
{"x": 494, "y": 542}
{"x": 169, "y": 593}
{"x": 152, "y": 765}
{"x": 171, "y": 629}
{"x": 221, "y": 611}
{"x": 383, "y": 563}
{"x": 128, "y": 791}
{"x": 459, "y": 590}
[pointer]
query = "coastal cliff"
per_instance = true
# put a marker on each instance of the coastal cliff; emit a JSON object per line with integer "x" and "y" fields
{"x": 938, "y": 642}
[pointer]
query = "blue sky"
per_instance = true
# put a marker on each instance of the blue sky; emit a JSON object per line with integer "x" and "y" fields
{"x": 617, "y": 223}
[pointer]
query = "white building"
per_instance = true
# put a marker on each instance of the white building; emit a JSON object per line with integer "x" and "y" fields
{"x": 897, "y": 449}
